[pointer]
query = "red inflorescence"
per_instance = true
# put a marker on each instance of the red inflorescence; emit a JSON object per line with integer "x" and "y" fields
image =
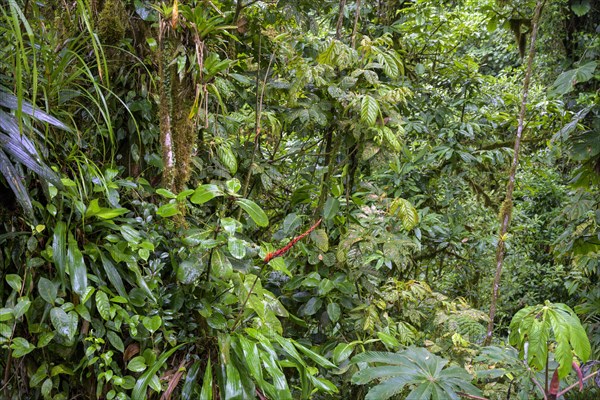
{"x": 288, "y": 246}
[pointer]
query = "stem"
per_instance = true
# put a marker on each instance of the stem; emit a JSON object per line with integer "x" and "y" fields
{"x": 356, "y": 18}
{"x": 471, "y": 396}
{"x": 565, "y": 390}
{"x": 340, "y": 21}
{"x": 507, "y": 205}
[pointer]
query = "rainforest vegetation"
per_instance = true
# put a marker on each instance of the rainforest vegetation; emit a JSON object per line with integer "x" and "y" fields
{"x": 298, "y": 199}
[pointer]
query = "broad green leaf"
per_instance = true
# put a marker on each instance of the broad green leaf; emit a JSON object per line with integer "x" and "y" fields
{"x": 388, "y": 340}
{"x": 220, "y": 267}
{"x": 279, "y": 379}
{"x": 320, "y": 238}
{"x": 20, "y": 347}
{"x": 189, "y": 271}
{"x": 205, "y": 193}
{"x": 381, "y": 357}
{"x": 233, "y": 383}
{"x": 331, "y": 208}
{"x": 45, "y": 338}
{"x": 566, "y": 81}
{"x": 256, "y": 213}
{"x": 152, "y": 323}
{"x": 130, "y": 234}
{"x": 236, "y": 247}
{"x": 94, "y": 210}
{"x": 406, "y": 211}
{"x": 233, "y": 185}
{"x": 64, "y": 323}
{"x": 137, "y": 364}
{"x": 47, "y": 388}
{"x": 167, "y": 210}
{"x": 580, "y": 7}
{"x": 103, "y": 305}
{"x": 166, "y": 193}
{"x": 5, "y": 331}
{"x": 388, "y": 388}
{"x": 292, "y": 222}
{"x": 6, "y": 314}
{"x": 21, "y": 307}
{"x": 369, "y": 110}
{"x": 14, "y": 281}
{"x": 312, "y": 306}
{"x": 116, "y": 341}
{"x": 325, "y": 286}
{"x": 113, "y": 274}
{"x": 77, "y": 269}
{"x": 83, "y": 312}
{"x": 342, "y": 351}
{"x": 227, "y": 158}
{"x": 333, "y": 311}
{"x": 252, "y": 357}
{"x": 391, "y": 138}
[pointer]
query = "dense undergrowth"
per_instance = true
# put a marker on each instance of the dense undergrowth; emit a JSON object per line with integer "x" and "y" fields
{"x": 164, "y": 168}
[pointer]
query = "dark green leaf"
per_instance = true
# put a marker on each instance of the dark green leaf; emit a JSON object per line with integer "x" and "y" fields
{"x": 256, "y": 213}
{"x": 76, "y": 268}
{"x": 21, "y": 347}
{"x": 139, "y": 391}
{"x": 48, "y": 290}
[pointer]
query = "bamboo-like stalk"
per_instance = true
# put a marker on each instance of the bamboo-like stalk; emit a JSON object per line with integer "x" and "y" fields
{"x": 506, "y": 210}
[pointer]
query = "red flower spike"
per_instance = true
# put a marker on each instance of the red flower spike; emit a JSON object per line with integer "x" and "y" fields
{"x": 284, "y": 249}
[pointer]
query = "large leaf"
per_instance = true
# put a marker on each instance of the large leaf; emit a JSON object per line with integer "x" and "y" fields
{"x": 416, "y": 367}
{"x": 18, "y": 151}
{"x": 369, "y": 110}
{"x": 15, "y": 181}
{"x": 76, "y": 268}
{"x": 254, "y": 211}
{"x": 406, "y": 211}
{"x": 10, "y": 101}
{"x": 64, "y": 323}
{"x": 531, "y": 327}
{"x": 205, "y": 193}
{"x": 59, "y": 250}
{"x": 568, "y": 79}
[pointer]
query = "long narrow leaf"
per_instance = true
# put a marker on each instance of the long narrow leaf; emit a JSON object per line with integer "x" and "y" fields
{"x": 10, "y": 101}
{"x": 18, "y": 151}
{"x": 59, "y": 250}
{"x": 207, "y": 383}
{"x": 139, "y": 391}
{"x": 77, "y": 268}
{"x": 113, "y": 275}
{"x": 15, "y": 181}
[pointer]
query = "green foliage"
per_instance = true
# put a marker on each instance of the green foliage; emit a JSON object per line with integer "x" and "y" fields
{"x": 424, "y": 373}
{"x": 395, "y": 129}
{"x": 530, "y": 332}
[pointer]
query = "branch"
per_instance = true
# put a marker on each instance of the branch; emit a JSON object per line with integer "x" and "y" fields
{"x": 471, "y": 396}
{"x": 565, "y": 390}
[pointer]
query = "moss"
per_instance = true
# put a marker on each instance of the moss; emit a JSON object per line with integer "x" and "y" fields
{"x": 184, "y": 130}
{"x": 505, "y": 210}
{"x": 112, "y": 22}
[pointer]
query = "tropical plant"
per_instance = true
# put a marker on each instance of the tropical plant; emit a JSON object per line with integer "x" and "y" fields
{"x": 415, "y": 372}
